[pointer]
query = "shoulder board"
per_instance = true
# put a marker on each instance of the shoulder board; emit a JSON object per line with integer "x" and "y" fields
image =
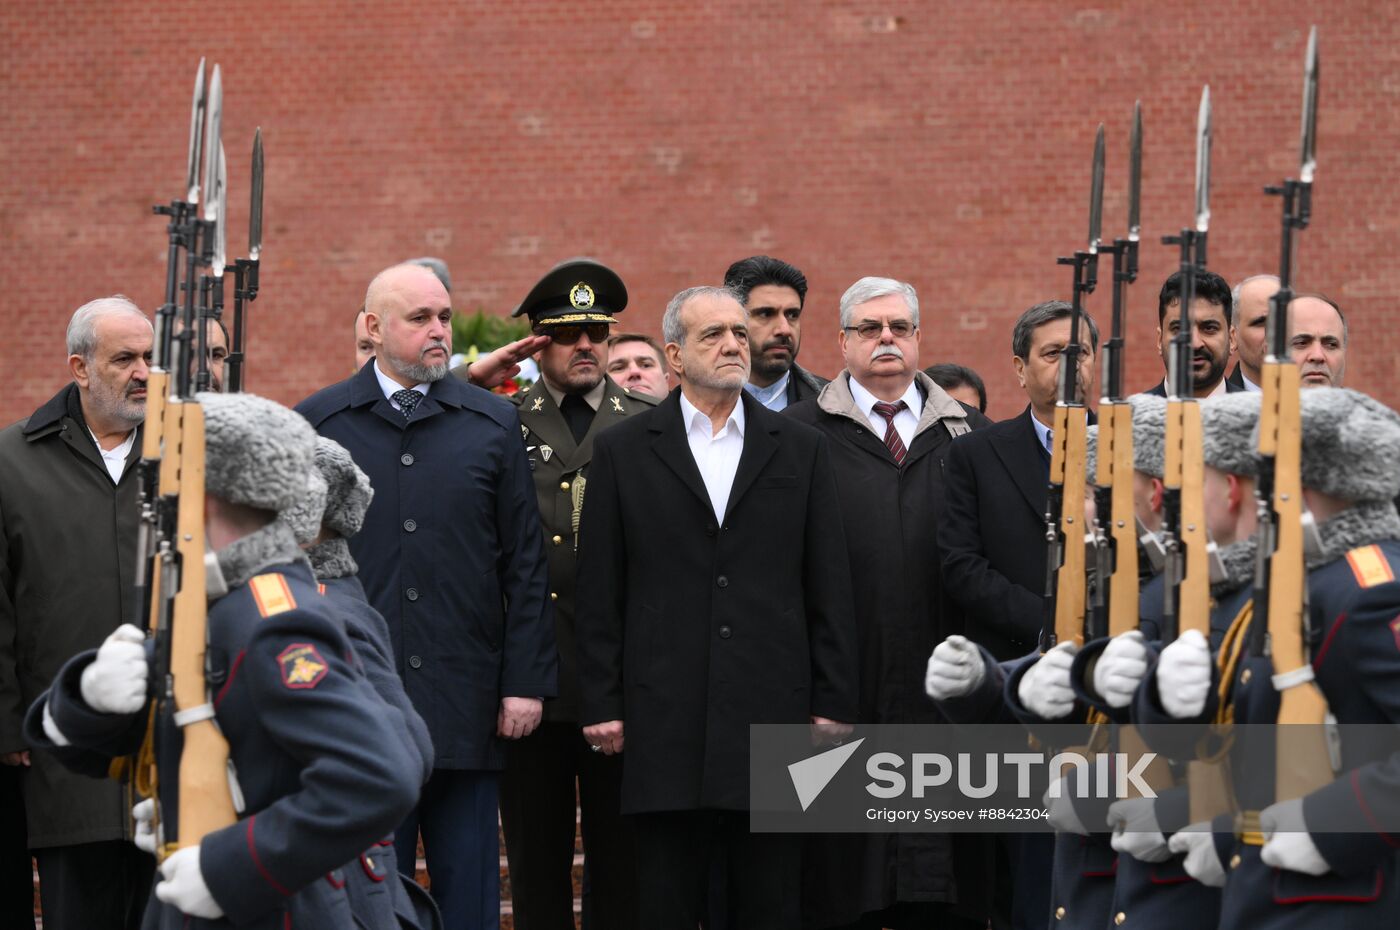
{"x": 272, "y": 594}
{"x": 1370, "y": 566}
{"x": 320, "y": 587}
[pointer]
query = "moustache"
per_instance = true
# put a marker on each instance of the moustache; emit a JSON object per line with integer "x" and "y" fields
{"x": 781, "y": 342}
{"x": 880, "y": 350}
{"x": 584, "y": 356}
{"x": 434, "y": 344}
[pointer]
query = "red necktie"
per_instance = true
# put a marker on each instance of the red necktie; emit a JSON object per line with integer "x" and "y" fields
{"x": 892, "y": 440}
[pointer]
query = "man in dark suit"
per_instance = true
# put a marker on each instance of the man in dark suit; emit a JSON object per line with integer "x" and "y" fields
{"x": 1212, "y": 339}
{"x": 451, "y": 554}
{"x": 699, "y": 625}
{"x": 773, "y": 292}
{"x": 562, "y": 413}
{"x": 993, "y": 540}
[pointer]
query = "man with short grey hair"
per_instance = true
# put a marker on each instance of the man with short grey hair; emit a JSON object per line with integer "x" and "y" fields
{"x": 680, "y": 497}
{"x": 1249, "y": 321}
{"x": 68, "y": 512}
{"x": 889, "y": 428}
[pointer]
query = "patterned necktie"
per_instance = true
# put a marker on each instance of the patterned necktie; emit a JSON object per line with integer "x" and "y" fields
{"x": 407, "y": 400}
{"x": 892, "y": 440}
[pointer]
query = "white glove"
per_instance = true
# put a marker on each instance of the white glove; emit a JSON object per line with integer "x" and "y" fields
{"x": 1120, "y": 669}
{"x": 1135, "y": 830}
{"x": 1059, "y": 808}
{"x": 956, "y": 668}
{"x": 144, "y": 814}
{"x": 1044, "y": 689}
{"x": 1201, "y": 862}
{"x": 1287, "y": 844}
{"x": 115, "y": 682}
{"x": 182, "y": 886}
{"x": 1183, "y": 675}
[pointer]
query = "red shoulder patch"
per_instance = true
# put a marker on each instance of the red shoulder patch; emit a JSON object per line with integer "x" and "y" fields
{"x": 302, "y": 666}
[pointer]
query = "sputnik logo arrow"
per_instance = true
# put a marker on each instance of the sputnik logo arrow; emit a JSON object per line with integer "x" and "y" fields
{"x": 811, "y": 776}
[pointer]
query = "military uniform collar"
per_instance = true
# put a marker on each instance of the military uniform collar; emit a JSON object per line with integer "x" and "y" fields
{"x": 593, "y": 398}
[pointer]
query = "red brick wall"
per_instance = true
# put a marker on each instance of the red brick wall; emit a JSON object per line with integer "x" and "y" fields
{"x": 943, "y": 143}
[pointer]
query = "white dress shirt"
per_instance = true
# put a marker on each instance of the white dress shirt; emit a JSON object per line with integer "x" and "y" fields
{"x": 716, "y": 454}
{"x": 774, "y": 396}
{"x": 906, "y": 422}
{"x": 389, "y": 386}
{"x": 1042, "y": 433}
{"x": 115, "y": 459}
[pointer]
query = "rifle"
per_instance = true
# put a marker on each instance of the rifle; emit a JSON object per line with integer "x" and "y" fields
{"x": 1065, "y": 526}
{"x": 200, "y": 799}
{"x": 1116, "y": 598}
{"x": 1280, "y": 580}
{"x": 245, "y": 273}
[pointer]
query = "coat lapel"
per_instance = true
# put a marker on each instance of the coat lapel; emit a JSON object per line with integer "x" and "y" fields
{"x": 672, "y": 447}
{"x": 613, "y": 407}
{"x": 759, "y": 446}
{"x": 539, "y": 412}
{"x": 1016, "y": 447}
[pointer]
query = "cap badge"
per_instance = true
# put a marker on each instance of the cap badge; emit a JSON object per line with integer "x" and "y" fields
{"x": 581, "y": 297}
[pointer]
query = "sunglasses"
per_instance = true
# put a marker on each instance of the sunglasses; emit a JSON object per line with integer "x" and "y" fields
{"x": 568, "y": 335}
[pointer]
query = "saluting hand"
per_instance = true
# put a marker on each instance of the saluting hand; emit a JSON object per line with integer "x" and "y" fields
{"x": 492, "y": 370}
{"x": 518, "y": 717}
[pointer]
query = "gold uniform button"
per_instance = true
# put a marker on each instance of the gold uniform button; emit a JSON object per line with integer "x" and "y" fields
{"x": 557, "y": 540}
{"x": 1235, "y": 861}
{"x": 563, "y": 485}
{"x": 1245, "y": 676}
{"x": 1118, "y": 919}
{"x": 554, "y": 595}
{"x": 1059, "y": 913}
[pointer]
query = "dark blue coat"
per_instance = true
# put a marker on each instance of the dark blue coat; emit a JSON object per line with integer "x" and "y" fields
{"x": 306, "y": 735}
{"x": 451, "y": 553}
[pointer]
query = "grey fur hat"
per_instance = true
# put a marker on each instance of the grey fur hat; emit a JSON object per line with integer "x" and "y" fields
{"x": 350, "y": 493}
{"x": 257, "y": 452}
{"x": 1091, "y": 454}
{"x": 1351, "y": 445}
{"x": 304, "y": 517}
{"x": 1149, "y": 433}
{"x": 1229, "y": 432}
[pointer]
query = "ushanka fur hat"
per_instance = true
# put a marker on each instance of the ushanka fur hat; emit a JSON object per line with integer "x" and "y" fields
{"x": 1351, "y": 445}
{"x": 1229, "y": 438}
{"x": 1149, "y": 433}
{"x": 257, "y": 452}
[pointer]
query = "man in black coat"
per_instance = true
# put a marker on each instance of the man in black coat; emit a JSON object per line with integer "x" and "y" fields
{"x": 773, "y": 292}
{"x": 714, "y": 551}
{"x": 68, "y": 516}
{"x": 993, "y": 539}
{"x": 451, "y": 554}
{"x": 889, "y": 474}
{"x": 1212, "y": 339}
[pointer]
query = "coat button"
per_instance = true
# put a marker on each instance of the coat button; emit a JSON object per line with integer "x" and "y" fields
{"x": 725, "y": 632}
{"x": 410, "y": 525}
{"x": 415, "y": 662}
{"x": 563, "y": 485}
{"x": 554, "y": 595}
{"x": 406, "y": 458}
{"x": 557, "y": 540}
{"x": 1245, "y": 676}
{"x": 722, "y": 581}
{"x": 1119, "y": 918}
{"x": 411, "y": 594}
{"x": 711, "y": 529}
{"x": 1235, "y": 861}
{"x": 1059, "y": 913}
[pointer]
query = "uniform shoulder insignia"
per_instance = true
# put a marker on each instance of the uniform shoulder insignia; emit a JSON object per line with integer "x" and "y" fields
{"x": 1370, "y": 566}
{"x": 271, "y": 593}
{"x": 302, "y": 666}
{"x": 617, "y": 403}
{"x": 320, "y": 587}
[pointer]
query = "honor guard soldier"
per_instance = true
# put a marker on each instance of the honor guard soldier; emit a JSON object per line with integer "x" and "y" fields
{"x": 560, "y": 414}
{"x": 324, "y": 520}
{"x": 314, "y": 786}
{"x": 1287, "y": 863}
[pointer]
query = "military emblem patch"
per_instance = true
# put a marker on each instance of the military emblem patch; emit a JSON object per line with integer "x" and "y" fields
{"x": 302, "y": 666}
{"x": 546, "y": 452}
{"x": 1370, "y": 566}
{"x": 271, "y": 594}
{"x": 581, "y": 296}
{"x": 617, "y": 403}
{"x": 538, "y": 405}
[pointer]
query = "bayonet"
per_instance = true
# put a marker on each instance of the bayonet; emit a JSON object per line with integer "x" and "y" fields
{"x": 220, "y": 213}
{"x": 1096, "y": 194}
{"x": 1135, "y": 175}
{"x": 213, "y": 124}
{"x": 1203, "y": 161}
{"x": 255, "y": 199}
{"x": 196, "y": 127}
{"x": 1308, "y": 145}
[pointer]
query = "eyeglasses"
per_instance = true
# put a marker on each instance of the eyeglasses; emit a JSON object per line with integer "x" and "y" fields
{"x": 568, "y": 335}
{"x": 872, "y": 329}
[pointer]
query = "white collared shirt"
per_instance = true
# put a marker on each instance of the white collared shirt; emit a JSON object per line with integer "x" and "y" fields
{"x": 774, "y": 396}
{"x": 716, "y": 454}
{"x": 1248, "y": 384}
{"x": 115, "y": 459}
{"x": 906, "y": 422}
{"x": 1042, "y": 434}
{"x": 389, "y": 386}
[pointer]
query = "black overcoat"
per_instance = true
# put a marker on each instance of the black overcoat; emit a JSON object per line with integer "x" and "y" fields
{"x": 450, "y": 553}
{"x": 697, "y": 627}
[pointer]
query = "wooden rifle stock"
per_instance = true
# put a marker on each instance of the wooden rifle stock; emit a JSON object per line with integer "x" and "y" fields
{"x": 1116, "y": 452}
{"x": 1067, "y": 472}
